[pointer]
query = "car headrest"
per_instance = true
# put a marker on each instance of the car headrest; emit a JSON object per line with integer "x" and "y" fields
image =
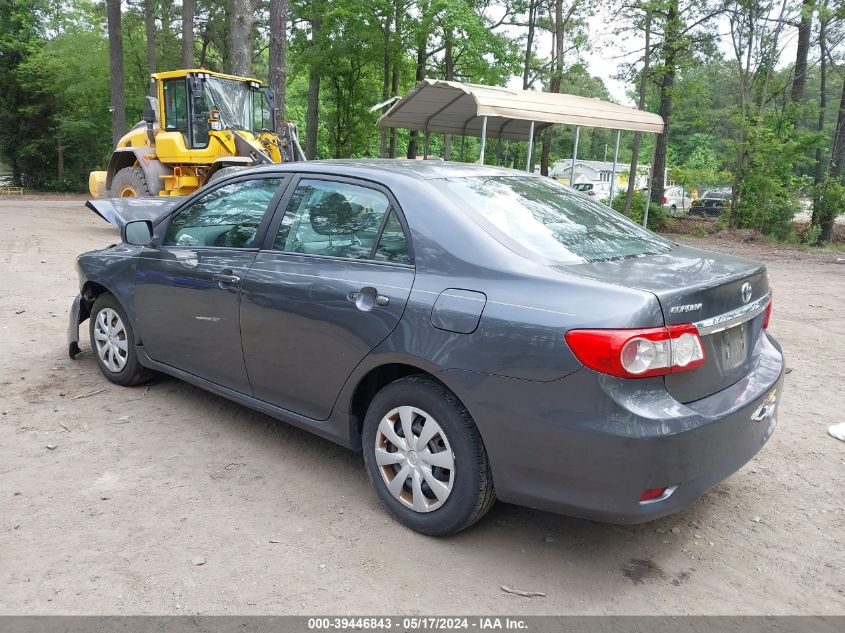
{"x": 333, "y": 215}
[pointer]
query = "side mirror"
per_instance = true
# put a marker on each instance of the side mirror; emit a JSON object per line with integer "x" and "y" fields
{"x": 137, "y": 232}
{"x": 150, "y": 104}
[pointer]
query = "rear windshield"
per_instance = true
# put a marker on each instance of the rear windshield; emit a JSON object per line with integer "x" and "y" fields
{"x": 550, "y": 220}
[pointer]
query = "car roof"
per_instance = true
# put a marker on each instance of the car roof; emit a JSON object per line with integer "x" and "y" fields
{"x": 373, "y": 167}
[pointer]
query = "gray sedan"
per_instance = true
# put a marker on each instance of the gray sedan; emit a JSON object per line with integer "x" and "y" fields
{"x": 478, "y": 333}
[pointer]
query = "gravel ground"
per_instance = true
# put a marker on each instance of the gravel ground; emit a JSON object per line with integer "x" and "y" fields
{"x": 168, "y": 500}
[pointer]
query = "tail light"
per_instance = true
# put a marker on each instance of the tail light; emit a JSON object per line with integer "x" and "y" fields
{"x": 767, "y": 315}
{"x": 638, "y": 353}
{"x": 665, "y": 200}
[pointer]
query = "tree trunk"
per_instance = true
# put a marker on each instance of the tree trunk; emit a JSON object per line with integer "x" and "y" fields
{"x": 836, "y": 164}
{"x": 150, "y": 27}
{"x": 312, "y": 115}
{"x": 838, "y": 153}
{"x": 118, "y": 98}
{"x": 555, "y": 81}
{"x": 638, "y": 136}
{"x": 187, "y": 33}
{"x": 60, "y": 165}
{"x": 206, "y": 40}
{"x": 554, "y": 86}
{"x": 449, "y": 61}
{"x": 413, "y": 144}
{"x": 387, "y": 64}
{"x": 278, "y": 54}
{"x": 394, "y": 92}
{"x": 667, "y": 83}
{"x": 399, "y": 12}
{"x": 529, "y": 44}
{"x": 312, "y": 112}
{"x": 804, "y": 33}
{"x": 241, "y": 21}
{"x": 819, "y": 173}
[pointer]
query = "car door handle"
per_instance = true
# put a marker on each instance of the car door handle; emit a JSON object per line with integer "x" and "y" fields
{"x": 367, "y": 298}
{"x": 226, "y": 278}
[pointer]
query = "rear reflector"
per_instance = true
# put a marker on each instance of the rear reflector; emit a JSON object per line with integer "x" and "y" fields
{"x": 652, "y": 493}
{"x": 767, "y": 315}
{"x": 638, "y": 353}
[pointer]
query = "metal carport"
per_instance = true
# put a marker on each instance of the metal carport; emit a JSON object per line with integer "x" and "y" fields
{"x": 452, "y": 107}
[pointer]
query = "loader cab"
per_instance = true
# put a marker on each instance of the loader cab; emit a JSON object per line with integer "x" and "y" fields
{"x": 190, "y": 101}
{"x": 186, "y": 110}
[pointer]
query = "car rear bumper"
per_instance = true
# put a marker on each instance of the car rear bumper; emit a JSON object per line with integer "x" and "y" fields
{"x": 589, "y": 445}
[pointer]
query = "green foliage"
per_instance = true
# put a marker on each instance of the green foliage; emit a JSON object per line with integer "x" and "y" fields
{"x": 54, "y": 102}
{"x": 814, "y": 232}
{"x": 658, "y": 219}
{"x": 702, "y": 168}
{"x": 767, "y": 193}
{"x": 829, "y": 203}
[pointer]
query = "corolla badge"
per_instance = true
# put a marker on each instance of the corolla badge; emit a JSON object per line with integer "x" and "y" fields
{"x": 746, "y": 292}
{"x": 690, "y": 307}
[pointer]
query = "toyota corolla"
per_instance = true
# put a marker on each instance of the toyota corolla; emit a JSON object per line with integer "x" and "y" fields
{"x": 478, "y": 333}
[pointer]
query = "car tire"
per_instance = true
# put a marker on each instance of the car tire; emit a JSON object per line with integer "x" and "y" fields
{"x": 130, "y": 182}
{"x": 454, "y": 456}
{"x": 113, "y": 343}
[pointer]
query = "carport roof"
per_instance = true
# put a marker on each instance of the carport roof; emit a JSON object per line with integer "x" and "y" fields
{"x": 451, "y": 107}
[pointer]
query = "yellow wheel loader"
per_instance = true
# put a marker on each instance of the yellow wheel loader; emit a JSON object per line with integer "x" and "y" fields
{"x": 200, "y": 125}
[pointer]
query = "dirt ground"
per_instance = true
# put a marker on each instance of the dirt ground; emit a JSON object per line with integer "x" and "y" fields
{"x": 141, "y": 484}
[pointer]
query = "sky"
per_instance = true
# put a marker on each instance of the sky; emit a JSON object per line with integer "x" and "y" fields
{"x": 609, "y": 51}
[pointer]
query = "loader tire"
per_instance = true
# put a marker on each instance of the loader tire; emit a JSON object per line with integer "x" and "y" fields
{"x": 129, "y": 182}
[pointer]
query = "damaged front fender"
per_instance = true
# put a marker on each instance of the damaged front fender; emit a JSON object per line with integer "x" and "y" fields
{"x": 119, "y": 211}
{"x": 75, "y": 318}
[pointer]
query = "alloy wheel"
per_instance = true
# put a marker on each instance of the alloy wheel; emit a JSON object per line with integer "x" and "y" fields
{"x": 415, "y": 459}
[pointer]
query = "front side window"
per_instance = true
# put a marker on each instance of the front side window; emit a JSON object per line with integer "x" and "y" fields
{"x": 550, "y": 220}
{"x": 336, "y": 219}
{"x": 226, "y": 217}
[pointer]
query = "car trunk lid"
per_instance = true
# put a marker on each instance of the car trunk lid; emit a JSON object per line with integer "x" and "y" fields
{"x": 708, "y": 289}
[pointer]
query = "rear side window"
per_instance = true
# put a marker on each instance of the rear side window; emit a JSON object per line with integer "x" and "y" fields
{"x": 331, "y": 218}
{"x": 393, "y": 245}
{"x": 550, "y": 220}
{"x": 227, "y": 217}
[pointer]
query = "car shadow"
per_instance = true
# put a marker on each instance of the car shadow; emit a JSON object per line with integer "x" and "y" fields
{"x": 506, "y": 523}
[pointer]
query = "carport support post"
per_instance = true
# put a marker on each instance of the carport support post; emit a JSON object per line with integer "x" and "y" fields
{"x": 613, "y": 173}
{"x": 530, "y": 148}
{"x": 574, "y": 156}
{"x": 425, "y": 145}
{"x": 483, "y": 138}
